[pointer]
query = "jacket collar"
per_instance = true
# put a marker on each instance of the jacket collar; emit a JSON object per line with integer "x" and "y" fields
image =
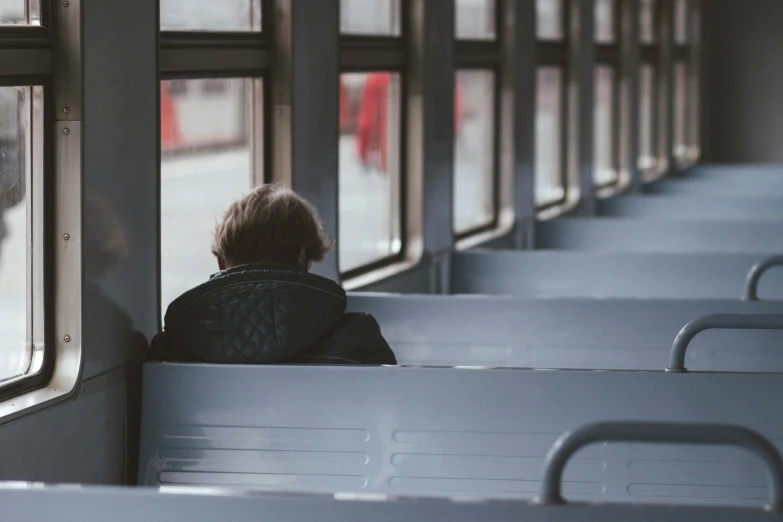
{"x": 259, "y": 266}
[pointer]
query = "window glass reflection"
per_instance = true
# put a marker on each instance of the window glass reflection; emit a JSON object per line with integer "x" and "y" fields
{"x": 20, "y": 12}
{"x": 475, "y": 19}
{"x": 605, "y": 171}
{"x": 605, "y": 21}
{"x": 551, "y": 19}
{"x": 369, "y": 177}
{"x": 370, "y": 17}
{"x": 549, "y": 136}
{"x": 206, "y": 163}
{"x": 646, "y": 118}
{"x": 474, "y": 165}
{"x": 681, "y": 20}
{"x": 680, "y": 110}
{"x": 648, "y": 17}
{"x": 210, "y": 15}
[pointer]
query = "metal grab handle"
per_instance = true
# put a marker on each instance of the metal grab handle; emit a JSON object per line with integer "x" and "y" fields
{"x": 752, "y": 281}
{"x": 718, "y": 322}
{"x": 660, "y": 432}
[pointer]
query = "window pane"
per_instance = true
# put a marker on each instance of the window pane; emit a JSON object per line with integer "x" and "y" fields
{"x": 16, "y": 108}
{"x": 369, "y": 195}
{"x": 648, "y": 17}
{"x": 207, "y": 159}
{"x": 20, "y": 12}
{"x": 474, "y": 165}
{"x": 680, "y": 110}
{"x": 681, "y": 22}
{"x": 370, "y": 17}
{"x": 475, "y": 19}
{"x": 551, "y": 19}
{"x": 604, "y": 21}
{"x": 605, "y": 165}
{"x": 210, "y": 15}
{"x": 549, "y": 134}
{"x": 646, "y": 114}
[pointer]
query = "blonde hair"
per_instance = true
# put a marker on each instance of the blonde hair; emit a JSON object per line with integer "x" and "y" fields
{"x": 271, "y": 224}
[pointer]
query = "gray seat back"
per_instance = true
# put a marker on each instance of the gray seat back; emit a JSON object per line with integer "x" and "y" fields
{"x": 609, "y": 274}
{"x": 660, "y": 235}
{"x": 445, "y": 431}
{"x": 694, "y": 208}
{"x": 613, "y": 334}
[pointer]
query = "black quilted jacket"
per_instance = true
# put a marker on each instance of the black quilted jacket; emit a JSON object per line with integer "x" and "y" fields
{"x": 264, "y": 314}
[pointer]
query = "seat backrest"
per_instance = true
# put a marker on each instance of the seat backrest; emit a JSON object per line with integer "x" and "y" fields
{"x": 660, "y": 235}
{"x": 692, "y": 207}
{"x": 609, "y": 274}
{"x": 612, "y": 334}
{"x": 97, "y": 504}
{"x": 445, "y": 431}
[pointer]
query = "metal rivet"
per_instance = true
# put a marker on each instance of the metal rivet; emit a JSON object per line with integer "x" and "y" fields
{"x": 66, "y": 3}
{"x": 66, "y": 110}
{"x": 67, "y": 338}
{"x": 66, "y": 131}
{"x": 66, "y": 237}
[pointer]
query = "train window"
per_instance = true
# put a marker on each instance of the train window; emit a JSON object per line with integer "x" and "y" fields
{"x": 605, "y": 172}
{"x": 647, "y": 20}
{"x": 21, "y": 246}
{"x": 20, "y": 12}
{"x": 370, "y": 17}
{"x": 208, "y": 154}
{"x": 474, "y": 150}
{"x": 550, "y": 172}
{"x": 209, "y": 15}
{"x": 370, "y": 218}
{"x": 605, "y": 21}
{"x": 476, "y": 20}
{"x": 646, "y": 117}
{"x": 551, "y": 19}
{"x": 681, "y": 20}
{"x": 681, "y": 150}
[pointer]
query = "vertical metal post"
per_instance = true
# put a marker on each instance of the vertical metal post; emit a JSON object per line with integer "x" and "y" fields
{"x": 666, "y": 86}
{"x": 305, "y": 99}
{"x": 430, "y": 130}
{"x": 631, "y": 96}
{"x": 582, "y": 68}
{"x": 518, "y": 116}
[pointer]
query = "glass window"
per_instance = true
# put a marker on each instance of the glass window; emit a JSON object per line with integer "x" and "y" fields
{"x": 605, "y": 165}
{"x": 207, "y": 158}
{"x": 681, "y": 22}
{"x": 475, "y": 19}
{"x": 605, "y": 21}
{"x": 551, "y": 19}
{"x": 369, "y": 179}
{"x": 370, "y": 17}
{"x": 549, "y": 134}
{"x": 21, "y": 137}
{"x": 680, "y": 110}
{"x": 646, "y": 115}
{"x": 210, "y": 15}
{"x": 648, "y": 24}
{"x": 20, "y": 12}
{"x": 474, "y": 164}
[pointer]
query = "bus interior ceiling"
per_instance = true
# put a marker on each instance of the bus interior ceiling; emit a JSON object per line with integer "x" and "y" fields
{"x": 512, "y": 185}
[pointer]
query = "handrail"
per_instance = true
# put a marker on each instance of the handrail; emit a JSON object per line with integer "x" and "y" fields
{"x": 660, "y": 432}
{"x": 718, "y": 322}
{"x": 752, "y": 281}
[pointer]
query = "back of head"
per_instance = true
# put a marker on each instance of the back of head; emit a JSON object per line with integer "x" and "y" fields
{"x": 271, "y": 224}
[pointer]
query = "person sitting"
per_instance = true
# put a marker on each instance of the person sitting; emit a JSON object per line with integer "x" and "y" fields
{"x": 264, "y": 306}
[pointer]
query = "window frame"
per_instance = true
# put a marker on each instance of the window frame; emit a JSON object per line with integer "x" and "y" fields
{"x": 382, "y": 53}
{"x": 485, "y": 55}
{"x": 609, "y": 54}
{"x": 555, "y": 53}
{"x": 685, "y": 54}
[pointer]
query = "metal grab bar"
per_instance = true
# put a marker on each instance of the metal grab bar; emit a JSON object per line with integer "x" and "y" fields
{"x": 660, "y": 432}
{"x": 718, "y": 322}
{"x": 752, "y": 281}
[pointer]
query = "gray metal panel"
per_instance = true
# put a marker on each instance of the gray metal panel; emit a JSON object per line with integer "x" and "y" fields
{"x": 558, "y": 333}
{"x": 609, "y": 274}
{"x": 694, "y": 207}
{"x": 660, "y": 235}
{"x": 54, "y": 504}
{"x": 414, "y": 431}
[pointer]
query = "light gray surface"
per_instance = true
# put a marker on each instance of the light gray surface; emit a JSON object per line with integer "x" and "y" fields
{"x": 610, "y": 274}
{"x": 558, "y": 333}
{"x": 694, "y": 207}
{"x": 744, "y": 186}
{"x": 660, "y": 235}
{"x": 54, "y": 504}
{"x": 447, "y": 431}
